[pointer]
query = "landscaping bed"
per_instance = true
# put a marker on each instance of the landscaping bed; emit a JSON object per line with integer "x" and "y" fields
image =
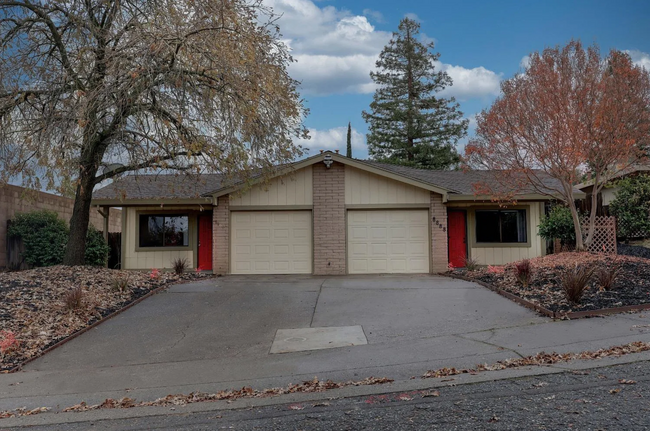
{"x": 631, "y": 286}
{"x": 634, "y": 250}
{"x": 41, "y": 307}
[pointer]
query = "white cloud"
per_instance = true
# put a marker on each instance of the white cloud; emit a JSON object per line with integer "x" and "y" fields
{"x": 326, "y": 74}
{"x": 336, "y": 51}
{"x": 640, "y": 58}
{"x": 332, "y": 139}
{"x": 468, "y": 83}
{"x": 524, "y": 62}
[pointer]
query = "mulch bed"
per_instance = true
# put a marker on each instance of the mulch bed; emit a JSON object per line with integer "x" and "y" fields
{"x": 33, "y": 310}
{"x": 631, "y": 286}
{"x": 634, "y": 250}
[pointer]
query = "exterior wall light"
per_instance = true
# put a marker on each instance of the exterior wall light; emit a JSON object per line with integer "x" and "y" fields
{"x": 328, "y": 161}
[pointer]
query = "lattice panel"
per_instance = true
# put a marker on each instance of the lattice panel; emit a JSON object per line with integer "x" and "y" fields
{"x": 604, "y": 239}
{"x": 635, "y": 234}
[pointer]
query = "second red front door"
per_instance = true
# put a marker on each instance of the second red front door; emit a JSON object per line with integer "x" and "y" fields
{"x": 457, "y": 236}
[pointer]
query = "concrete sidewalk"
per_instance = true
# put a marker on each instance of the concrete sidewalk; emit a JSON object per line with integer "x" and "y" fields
{"x": 217, "y": 334}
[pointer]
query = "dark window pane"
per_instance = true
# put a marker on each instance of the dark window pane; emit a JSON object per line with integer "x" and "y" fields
{"x": 501, "y": 226}
{"x": 176, "y": 231}
{"x": 164, "y": 230}
{"x": 509, "y": 231}
{"x": 151, "y": 231}
{"x": 487, "y": 226}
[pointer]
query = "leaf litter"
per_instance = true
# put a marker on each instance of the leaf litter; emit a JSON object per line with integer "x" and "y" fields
{"x": 631, "y": 285}
{"x": 33, "y": 311}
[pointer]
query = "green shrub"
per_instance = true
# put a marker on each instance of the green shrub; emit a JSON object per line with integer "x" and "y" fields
{"x": 44, "y": 235}
{"x": 96, "y": 247}
{"x": 558, "y": 224}
{"x": 632, "y": 206}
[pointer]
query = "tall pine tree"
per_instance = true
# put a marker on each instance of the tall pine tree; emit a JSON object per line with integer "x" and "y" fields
{"x": 408, "y": 124}
{"x": 349, "y": 148}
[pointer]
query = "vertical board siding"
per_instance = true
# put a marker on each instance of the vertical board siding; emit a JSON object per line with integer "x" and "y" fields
{"x": 160, "y": 259}
{"x": 505, "y": 255}
{"x": 363, "y": 187}
{"x": 292, "y": 189}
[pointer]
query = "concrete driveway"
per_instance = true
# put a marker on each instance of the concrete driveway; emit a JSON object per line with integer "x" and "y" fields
{"x": 217, "y": 334}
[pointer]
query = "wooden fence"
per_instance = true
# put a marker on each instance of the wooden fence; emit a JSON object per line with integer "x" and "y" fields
{"x": 604, "y": 239}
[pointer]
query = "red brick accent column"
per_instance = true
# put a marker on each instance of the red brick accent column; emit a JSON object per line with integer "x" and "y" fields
{"x": 439, "y": 239}
{"x": 221, "y": 236}
{"x": 329, "y": 219}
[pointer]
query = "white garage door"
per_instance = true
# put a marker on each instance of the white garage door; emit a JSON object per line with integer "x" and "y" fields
{"x": 271, "y": 242}
{"x": 388, "y": 241}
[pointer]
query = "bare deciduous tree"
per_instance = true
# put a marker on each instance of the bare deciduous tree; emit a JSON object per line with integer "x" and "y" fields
{"x": 91, "y": 89}
{"x": 570, "y": 113}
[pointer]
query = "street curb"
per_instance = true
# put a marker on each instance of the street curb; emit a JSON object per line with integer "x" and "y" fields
{"x": 404, "y": 386}
{"x": 546, "y": 312}
{"x": 85, "y": 329}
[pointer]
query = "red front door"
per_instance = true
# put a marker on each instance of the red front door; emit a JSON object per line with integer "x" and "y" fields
{"x": 205, "y": 242}
{"x": 457, "y": 235}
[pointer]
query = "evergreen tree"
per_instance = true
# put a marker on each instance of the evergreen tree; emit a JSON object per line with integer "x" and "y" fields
{"x": 349, "y": 151}
{"x": 408, "y": 124}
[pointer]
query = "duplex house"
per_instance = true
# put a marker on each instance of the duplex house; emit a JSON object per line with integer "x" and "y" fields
{"x": 325, "y": 215}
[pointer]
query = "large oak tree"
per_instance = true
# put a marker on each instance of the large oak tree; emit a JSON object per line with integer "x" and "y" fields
{"x": 91, "y": 89}
{"x": 570, "y": 113}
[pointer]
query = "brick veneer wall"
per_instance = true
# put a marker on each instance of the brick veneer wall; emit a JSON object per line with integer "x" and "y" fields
{"x": 14, "y": 200}
{"x": 329, "y": 219}
{"x": 439, "y": 239}
{"x": 221, "y": 236}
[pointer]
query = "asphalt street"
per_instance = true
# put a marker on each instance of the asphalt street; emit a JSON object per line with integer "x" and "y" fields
{"x": 611, "y": 398}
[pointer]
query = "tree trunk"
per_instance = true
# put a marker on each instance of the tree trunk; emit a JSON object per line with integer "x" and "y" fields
{"x": 75, "y": 251}
{"x": 577, "y": 227}
{"x": 594, "y": 209}
{"x": 410, "y": 142}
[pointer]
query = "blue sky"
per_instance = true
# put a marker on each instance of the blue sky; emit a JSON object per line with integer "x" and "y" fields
{"x": 481, "y": 43}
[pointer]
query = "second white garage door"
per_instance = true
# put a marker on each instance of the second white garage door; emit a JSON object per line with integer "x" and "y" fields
{"x": 271, "y": 242}
{"x": 388, "y": 241}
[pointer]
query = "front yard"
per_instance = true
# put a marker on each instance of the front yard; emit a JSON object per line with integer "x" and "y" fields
{"x": 630, "y": 286}
{"x": 41, "y": 307}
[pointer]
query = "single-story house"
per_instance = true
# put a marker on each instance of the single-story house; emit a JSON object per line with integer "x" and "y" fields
{"x": 609, "y": 192}
{"x": 327, "y": 214}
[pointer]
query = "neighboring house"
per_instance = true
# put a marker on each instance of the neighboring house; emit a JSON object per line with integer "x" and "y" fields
{"x": 608, "y": 193}
{"x": 15, "y": 200}
{"x": 324, "y": 215}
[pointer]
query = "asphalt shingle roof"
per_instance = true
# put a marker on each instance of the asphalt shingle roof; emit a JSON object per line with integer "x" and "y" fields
{"x": 178, "y": 186}
{"x": 167, "y": 186}
{"x": 460, "y": 182}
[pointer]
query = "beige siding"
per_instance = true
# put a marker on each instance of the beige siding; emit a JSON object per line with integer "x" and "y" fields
{"x": 292, "y": 189}
{"x": 363, "y": 187}
{"x": 609, "y": 194}
{"x": 152, "y": 259}
{"x": 501, "y": 255}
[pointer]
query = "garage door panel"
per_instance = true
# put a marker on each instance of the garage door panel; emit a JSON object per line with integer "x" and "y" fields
{"x": 271, "y": 242}
{"x": 388, "y": 241}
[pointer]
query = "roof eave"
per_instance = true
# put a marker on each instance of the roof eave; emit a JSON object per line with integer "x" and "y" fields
{"x": 521, "y": 197}
{"x": 156, "y": 201}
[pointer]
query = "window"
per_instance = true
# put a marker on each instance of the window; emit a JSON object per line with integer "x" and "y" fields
{"x": 157, "y": 230}
{"x": 501, "y": 226}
